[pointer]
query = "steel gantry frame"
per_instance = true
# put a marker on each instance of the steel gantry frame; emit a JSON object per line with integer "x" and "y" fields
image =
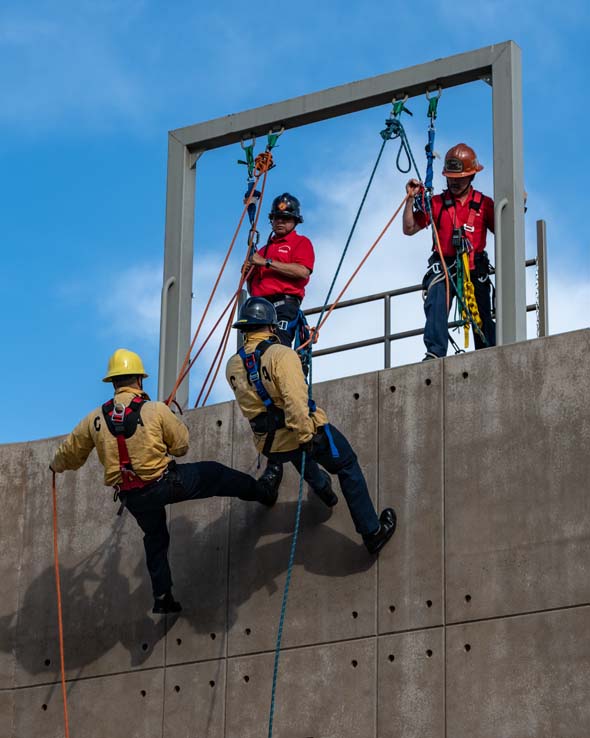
{"x": 498, "y": 65}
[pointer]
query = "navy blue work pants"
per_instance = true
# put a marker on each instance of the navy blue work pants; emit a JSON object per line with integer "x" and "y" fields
{"x": 195, "y": 481}
{"x": 436, "y": 330}
{"x": 346, "y": 466}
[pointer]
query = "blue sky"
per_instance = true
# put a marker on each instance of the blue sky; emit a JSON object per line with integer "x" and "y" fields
{"x": 90, "y": 89}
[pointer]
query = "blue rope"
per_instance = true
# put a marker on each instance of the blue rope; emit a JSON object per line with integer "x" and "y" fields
{"x": 285, "y": 597}
{"x": 394, "y": 129}
{"x": 352, "y": 230}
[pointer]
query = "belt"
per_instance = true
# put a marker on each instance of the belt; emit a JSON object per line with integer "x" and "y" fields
{"x": 278, "y": 300}
{"x": 121, "y": 494}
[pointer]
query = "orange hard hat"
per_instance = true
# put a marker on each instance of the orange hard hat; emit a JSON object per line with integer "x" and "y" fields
{"x": 461, "y": 161}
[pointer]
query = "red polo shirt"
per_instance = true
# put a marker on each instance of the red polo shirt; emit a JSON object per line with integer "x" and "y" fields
{"x": 290, "y": 249}
{"x": 456, "y": 216}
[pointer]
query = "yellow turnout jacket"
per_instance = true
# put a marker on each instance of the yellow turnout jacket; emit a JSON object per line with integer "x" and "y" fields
{"x": 159, "y": 435}
{"x": 281, "y": 374}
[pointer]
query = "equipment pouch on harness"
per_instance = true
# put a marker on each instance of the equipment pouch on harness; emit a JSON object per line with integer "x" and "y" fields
{"x": 267, "y": 422}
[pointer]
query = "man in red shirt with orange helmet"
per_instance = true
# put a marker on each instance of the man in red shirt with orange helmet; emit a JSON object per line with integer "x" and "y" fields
{"x": 283, "y": 266}
{"x": 462, "y": 217}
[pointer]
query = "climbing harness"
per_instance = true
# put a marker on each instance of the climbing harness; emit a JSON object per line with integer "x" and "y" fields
{"x": 273, "y": 417}
{"x": 122, "y": 422}
{"x": 59, "y": 610}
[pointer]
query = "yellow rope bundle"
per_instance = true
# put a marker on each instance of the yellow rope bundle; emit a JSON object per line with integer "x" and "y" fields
{"x": 469, "y": 299}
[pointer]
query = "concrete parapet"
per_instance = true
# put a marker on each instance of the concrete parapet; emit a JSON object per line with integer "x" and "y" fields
{"x": 472, "y": 623}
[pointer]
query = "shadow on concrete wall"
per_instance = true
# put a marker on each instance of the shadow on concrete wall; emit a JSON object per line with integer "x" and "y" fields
{"x": 101, "y": 612}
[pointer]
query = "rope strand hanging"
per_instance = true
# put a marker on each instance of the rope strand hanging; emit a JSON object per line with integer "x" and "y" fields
{"x": 258, "y": 166}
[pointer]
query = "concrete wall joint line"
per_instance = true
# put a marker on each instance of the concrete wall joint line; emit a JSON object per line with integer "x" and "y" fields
{"x": 443, "y": 544}
{"x": 515, "y": 615}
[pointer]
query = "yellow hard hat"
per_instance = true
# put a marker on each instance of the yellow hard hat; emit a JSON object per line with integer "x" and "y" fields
{"x": 124, "y": 362}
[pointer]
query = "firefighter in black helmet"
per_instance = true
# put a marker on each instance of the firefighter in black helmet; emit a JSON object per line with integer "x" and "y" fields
{"x": 271, "y": 392}
{"x": 283, "y": 266}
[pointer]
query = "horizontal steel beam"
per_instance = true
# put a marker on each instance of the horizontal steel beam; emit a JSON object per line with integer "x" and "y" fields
{"x": 344, "y": 99}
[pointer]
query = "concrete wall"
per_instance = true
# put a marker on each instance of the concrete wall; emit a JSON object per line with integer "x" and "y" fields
{"x": 473, "y": 623}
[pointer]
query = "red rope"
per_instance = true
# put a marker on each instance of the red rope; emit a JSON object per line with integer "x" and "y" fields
{"x": 59, "y": 611}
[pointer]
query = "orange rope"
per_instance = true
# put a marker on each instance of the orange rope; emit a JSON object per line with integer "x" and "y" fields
{"x": 59, "y": 612}
{"x": 218, "y": 357}
{"x": 315, "y": 335}
{"x": 206, "y": 341}
{"x": 443, "y": 262}
{"x": 182, "y": 374}
{"x": 243, "y": 279}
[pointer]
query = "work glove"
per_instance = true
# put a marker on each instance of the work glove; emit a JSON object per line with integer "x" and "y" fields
{"x": 311, "y": 445}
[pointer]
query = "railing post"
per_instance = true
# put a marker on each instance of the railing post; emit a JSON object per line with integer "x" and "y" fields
{"x": 387, "y": 323}
{"x": 542, "y": 305}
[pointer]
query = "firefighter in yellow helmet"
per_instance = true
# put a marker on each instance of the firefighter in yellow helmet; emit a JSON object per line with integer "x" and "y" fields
{"x": 135, "y": 440}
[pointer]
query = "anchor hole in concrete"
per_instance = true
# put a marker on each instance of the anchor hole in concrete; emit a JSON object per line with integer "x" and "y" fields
{"x": 355, "y": 614}
{"x": 428, "y": 603}
{"x": 246, "y": 678}
{"x": 177, "y": 688}
{"x": 428, "y": 382}
{"x": 391, "y": 657}
{"x": 179, "y": 641}
{"x": 144, "y": 646}
{"x": 248, "y": 631}
{"x": 43, "y": 707}
{"x": 47, "y": 662}
{"x": 468, "y": 647}
{"x": 356, "y": 395}
{"x": 212, "y": 683}
{"x": 467, "y": 598}
{"x": 392, "y": 388}
{"x": 465, "y": 375}
{"x": 219, "y": 423}
{"x": 143, "y": 693}
{"x": 213, "y": 636}
{"x": 429, "y": 653}
{"x": 354, "y": 663}
{"x": 392, "y": 608}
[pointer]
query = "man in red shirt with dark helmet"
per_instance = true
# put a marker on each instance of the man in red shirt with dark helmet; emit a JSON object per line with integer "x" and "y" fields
{"x": 283, "y": 266}
{"x": 461, "y": 214}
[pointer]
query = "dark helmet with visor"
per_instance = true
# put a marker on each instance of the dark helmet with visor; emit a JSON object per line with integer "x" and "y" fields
{"x": 256, "y": 311}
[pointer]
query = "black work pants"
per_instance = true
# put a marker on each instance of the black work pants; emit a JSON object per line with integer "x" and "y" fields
{"x": 186, "y": 482}
{"x": 346, "y": 466}
{"x": 287, "y": 310}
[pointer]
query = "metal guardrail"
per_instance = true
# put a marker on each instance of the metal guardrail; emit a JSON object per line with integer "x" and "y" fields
{"x": 540, "y": 307}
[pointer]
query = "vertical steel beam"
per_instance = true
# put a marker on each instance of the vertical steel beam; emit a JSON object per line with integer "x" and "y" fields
{"x": 542, "y": 304}
{"x": 509, "y": 195}
{"x": 175, "y": 320}
{"x": 387, "y": 330}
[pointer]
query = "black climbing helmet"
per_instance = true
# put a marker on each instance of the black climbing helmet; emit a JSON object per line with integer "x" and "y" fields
{"x": 254, "y": 312}
{"x": 286, "y": 205}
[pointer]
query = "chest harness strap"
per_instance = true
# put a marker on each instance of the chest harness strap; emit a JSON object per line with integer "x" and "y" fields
{"x": 464, "y": 228}
{"x": 122, "y": 422}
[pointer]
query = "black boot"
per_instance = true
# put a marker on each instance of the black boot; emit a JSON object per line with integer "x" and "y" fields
{"x": 388, "y": 522}
{"x": 267, "y": 486}
{"x": 166, "y": 604}
{"x": 326, "y": 493}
